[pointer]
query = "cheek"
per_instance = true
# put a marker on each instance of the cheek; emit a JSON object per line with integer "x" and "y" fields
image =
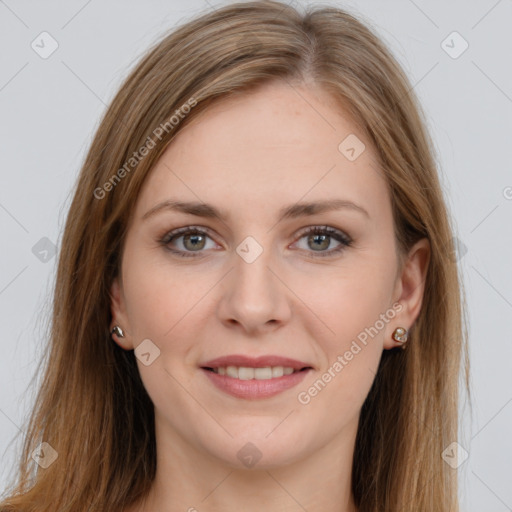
{"x": 353, "y": 348}
{"x": 355, "y": 312}
{"x": 344, "y": 304}
{"x": 160, "y": 296}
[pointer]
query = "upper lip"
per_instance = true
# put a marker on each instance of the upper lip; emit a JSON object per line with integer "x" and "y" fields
{"x": 255, "y": 362}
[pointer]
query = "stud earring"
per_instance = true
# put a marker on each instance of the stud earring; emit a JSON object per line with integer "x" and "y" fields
{"x": 117, "y": 330}
{"x": 400, "y": 335}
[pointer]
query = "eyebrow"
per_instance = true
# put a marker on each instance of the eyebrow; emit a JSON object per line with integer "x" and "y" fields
{"x": 289, "y": 212}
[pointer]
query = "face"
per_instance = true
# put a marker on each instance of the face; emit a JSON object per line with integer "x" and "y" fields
{"x": 263, "y": 275}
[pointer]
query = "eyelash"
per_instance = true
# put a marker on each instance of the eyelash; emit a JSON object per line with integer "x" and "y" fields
{"x": 345, "y": 241}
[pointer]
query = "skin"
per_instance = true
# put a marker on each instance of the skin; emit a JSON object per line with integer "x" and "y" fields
{"x": 250, "y": 156}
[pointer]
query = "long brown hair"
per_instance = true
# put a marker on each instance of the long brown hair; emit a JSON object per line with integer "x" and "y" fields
{"x": 92, "y": 408}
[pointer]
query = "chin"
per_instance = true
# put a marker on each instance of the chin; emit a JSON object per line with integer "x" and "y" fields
{"x": 260, "y": 453}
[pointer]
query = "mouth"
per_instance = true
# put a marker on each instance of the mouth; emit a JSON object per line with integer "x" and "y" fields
{"x": 259, "y": 377}
{"x": 254, "y": 383}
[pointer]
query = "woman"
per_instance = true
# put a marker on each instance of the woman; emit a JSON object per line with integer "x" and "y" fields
{"x": 257, "y": 234}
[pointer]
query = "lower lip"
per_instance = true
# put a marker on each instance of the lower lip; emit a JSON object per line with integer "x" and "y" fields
{"x": 254, "y": 388}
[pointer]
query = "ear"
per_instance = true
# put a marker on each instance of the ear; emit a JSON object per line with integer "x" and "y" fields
{"x": 409, "y": 289}
{"x": 119, "y": 316}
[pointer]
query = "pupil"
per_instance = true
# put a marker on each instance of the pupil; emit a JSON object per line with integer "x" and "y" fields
{"x": 193, "y": 239}
{"x": 322, "y": 238}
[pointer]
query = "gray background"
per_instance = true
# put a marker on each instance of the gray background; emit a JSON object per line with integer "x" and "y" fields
{"x": 51, "y": 107}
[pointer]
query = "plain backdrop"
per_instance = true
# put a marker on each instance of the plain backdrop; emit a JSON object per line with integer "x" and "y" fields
{"x": 457, "y": 55}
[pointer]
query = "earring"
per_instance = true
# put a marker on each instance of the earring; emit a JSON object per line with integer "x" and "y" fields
{"x": 400, "y": 335}
{"x": 117, "y": 330}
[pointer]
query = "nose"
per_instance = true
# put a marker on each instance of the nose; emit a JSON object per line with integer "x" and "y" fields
{"x": 254, "y": 296}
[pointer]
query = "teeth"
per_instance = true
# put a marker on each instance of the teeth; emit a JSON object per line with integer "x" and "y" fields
{"x": 245, "y": 373}
{"x": 277, "y": 371}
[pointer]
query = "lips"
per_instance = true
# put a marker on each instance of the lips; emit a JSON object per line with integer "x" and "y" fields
{"x": 255, "y": 389}
{"x": 239, "y": 377}
{"x": 255, "y": 362}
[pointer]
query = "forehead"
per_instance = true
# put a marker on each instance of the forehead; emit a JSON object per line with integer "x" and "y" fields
{"x": 273, "y": 146}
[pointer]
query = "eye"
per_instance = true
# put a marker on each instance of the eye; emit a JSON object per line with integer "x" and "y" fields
{"x": 319, "y": 238}
{"x": 193, "y": 241}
